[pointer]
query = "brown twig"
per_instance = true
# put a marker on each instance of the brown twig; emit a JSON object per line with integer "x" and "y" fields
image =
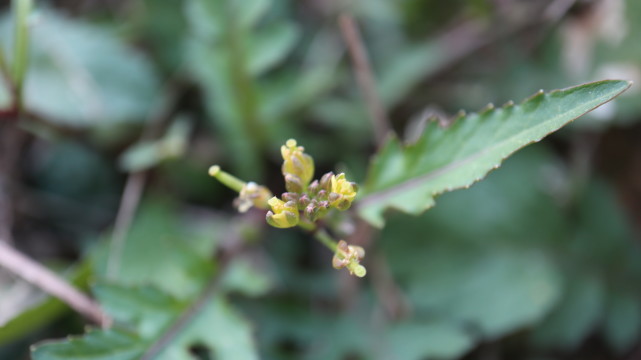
{"x": 364, "y": 76}
{"x": 43, "y": 278}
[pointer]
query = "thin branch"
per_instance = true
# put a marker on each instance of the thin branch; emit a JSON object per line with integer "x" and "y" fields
{"x": 43, "y": 278}
{"x": 135, "y": 185}
{"x": 364, "y": 76}
{"x": 128, "y": 205}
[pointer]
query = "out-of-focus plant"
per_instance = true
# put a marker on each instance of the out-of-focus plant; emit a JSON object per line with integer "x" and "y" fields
{"x": 530, "y": 263}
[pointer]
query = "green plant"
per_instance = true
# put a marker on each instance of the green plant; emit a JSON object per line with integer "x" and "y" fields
{"x": 528, "y": 263}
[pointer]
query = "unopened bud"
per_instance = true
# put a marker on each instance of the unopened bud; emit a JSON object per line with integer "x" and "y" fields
{"x": 325, "y": 181}
{"x": 293, "y": 183}
{"x": 303, "y": 201}
{"x": 312, "y": 189}
{"x": 289, "y": 196}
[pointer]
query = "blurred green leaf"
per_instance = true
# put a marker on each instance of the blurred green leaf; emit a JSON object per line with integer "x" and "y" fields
{"x": 164, "y": 251}
{"x": 217, "y": 327}
{"x": 145, "y": 155}
{"x": 408, "y": 178}
{"x": 97, "y": 344}
{"x": 270, "y": 46}
{"x": 84, "y": 75}
{"x": 44, "y": 312}
{"x": 575, "y": 317}
{"x": 416, "y": 341}
{"x": 622, "y": 321}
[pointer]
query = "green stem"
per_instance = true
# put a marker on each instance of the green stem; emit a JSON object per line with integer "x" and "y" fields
{"x": 311, "y": 227}
{"x": 21, "y": 10}
{"x": 322, "y": 236}
{"x": 245, "y": 98}
{"x": 226, "y": 179}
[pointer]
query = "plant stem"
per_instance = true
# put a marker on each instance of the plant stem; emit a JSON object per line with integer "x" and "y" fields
{"x": 226, "y": 179}
{"x": 245, "y": 99}
{"x": 364, "y": 77}
{"x": 135, "y": 186}
{"x": 325, "y": 239}
{"x": 38, "y": 275}
{"x": 21, "y": 10}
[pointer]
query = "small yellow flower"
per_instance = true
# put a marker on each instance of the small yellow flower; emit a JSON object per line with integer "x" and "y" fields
{"x": 349, "y": 256}
{"x": 283, "y": 214}
{"x": 296, "y": 162}
{"x": 253, "y": 194}
{"x": 342, "y": 192}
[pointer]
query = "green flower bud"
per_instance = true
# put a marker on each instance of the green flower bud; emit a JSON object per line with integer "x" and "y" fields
{"x": 312, "y": 189}
{"x": 289, "y": 196}
{"x": 293, "y": 184}
{"x": 325, "y": 181}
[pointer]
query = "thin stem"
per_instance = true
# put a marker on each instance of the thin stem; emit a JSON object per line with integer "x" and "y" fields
{"x": 303, "y": 224}
{"x": 226, "y": 179}
{"x": 21, "y": 10}
{"x": 126, "y": 212}
{"x": 325, "y": 239}
{"x": 43, "y": 278}
{"x": 135, "y": 185}
{"x": 245, "y": 99}
{"x": 364, "y": 76}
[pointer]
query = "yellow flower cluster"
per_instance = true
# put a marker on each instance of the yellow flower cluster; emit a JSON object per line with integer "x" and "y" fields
{"x": 313, "y": 199}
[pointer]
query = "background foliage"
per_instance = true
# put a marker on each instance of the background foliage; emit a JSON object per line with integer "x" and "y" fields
{"x": 540, "y": 260}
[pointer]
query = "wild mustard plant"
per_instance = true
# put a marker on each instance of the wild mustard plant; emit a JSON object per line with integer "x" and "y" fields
{"x": 304, "y": 204}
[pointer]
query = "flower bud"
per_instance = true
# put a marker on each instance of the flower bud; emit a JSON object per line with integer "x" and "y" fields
{"x": 293, "y": 184}
{"x": 349, "y": 256}
{"x": 345, "y": 190}
{"x": 303, "y": 201}
{"x": 296, "y": 162}
{"x": 325, "y": 181}
{"x": 312, "y": 189}
{"x": 252, "y": 194}
{"x": 289, "y": 196}
{"x": 283, "y": 214}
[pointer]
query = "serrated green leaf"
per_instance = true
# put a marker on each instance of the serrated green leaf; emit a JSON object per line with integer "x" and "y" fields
{"x": 444, "y": 159}
{"x": 95, "y": 345}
